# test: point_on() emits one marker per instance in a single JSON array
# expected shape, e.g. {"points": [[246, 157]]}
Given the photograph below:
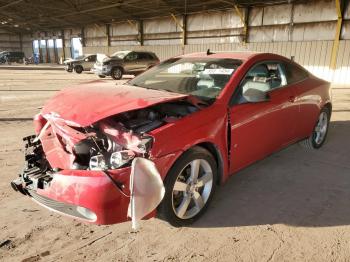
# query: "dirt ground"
{"points": [[292, 206]]}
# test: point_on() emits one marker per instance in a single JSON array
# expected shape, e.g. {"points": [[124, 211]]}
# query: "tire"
{"points": [[194, 198], [101, 76], [319, 134], [78, 69], [117, 73]]}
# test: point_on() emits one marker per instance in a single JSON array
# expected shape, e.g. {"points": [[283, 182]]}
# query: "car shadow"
{"points": [[293, 186]]}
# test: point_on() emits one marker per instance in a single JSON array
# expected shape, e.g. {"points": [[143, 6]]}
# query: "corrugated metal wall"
{"points": [[9, 41], [305, 31], [313, 55]]}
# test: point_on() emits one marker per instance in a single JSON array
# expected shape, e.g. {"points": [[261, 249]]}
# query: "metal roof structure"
{"points": [[33, 15]]}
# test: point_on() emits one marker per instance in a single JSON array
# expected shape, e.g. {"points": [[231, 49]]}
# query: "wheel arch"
{"points": [[212, 149], [118, 66], [329, 106], [78, 65]]}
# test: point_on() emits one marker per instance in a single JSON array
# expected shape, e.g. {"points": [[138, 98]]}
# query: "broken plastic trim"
{"points": [[147, 189]]}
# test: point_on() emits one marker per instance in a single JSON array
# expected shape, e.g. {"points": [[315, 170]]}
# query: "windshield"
{"points": [[201, 77], [121, 54]]}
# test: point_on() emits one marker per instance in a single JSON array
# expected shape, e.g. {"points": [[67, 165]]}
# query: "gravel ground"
{"points": [[291, 206]]}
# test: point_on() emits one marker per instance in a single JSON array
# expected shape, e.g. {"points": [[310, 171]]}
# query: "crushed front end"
{"points": [[95, 196], [84, 171]]}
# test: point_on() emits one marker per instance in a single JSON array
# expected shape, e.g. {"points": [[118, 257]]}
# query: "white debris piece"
{"points": [[147, 189]]}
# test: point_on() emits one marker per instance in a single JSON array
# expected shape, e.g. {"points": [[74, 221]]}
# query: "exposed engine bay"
{"points": [[110, 143], [122, 137]]}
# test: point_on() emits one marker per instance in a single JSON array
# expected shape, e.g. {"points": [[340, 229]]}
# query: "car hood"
{"points": [[91, 102], [71, 60], [112, 58]]}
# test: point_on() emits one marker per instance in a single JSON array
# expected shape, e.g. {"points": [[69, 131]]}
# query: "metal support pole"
{"points": [[82, 37], [183, 30], [20, 41], [336, 41], [55, 50], [63, 45], [244, 22], [244, 19], [108, 36], [141, 32], [47, 52], [139, 27]]}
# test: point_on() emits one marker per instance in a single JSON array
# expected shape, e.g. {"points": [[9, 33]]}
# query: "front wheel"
{"points": [[117, 73], [319, 134], [189, 187], [78, 69]]}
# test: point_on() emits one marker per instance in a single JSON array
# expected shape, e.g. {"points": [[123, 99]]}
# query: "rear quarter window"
{"points": [[294, 73]]}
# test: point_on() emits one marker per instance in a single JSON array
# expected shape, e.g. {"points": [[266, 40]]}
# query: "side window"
{"points": [[92, 58], [144, 56], [131, 56], [259, 80], [294, 74]]}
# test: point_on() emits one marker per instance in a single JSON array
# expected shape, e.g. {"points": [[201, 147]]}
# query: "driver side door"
{"points": [[262, 115]]}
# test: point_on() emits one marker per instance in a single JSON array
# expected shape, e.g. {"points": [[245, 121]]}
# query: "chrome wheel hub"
{"points": [[321, 128], [192, 189], [117, 73]]}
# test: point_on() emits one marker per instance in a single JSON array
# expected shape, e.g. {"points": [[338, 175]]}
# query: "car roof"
{"points": [[241, 55]]}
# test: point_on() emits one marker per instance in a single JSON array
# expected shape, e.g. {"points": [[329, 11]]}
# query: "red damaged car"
{"points": [[199, 118]]}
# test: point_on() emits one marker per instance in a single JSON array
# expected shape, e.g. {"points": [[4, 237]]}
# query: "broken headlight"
{"points": [[98, 162], [116, 160], [121, 158]]}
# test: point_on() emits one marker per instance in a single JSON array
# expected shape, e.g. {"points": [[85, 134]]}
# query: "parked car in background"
{"points": [[80, 64], [11, 56], [125, 62], [199, 118]]}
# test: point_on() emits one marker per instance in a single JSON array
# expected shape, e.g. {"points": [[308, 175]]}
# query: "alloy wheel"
{"points": [[321, 128], [192, 189]]}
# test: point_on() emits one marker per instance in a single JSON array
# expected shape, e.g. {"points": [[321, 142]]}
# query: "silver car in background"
{"points": [[80, 64], [125, 62]]}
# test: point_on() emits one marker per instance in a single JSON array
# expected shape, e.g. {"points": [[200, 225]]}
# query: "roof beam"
{"points": [[10, 4]]}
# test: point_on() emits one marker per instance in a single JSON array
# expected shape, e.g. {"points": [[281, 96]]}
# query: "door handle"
{"points": [[292, 99]]}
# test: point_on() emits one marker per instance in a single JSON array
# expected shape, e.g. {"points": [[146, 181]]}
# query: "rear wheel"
{"points": [[78, 69], [189, 187], [319, 134], [117, 73], [101, 76]]}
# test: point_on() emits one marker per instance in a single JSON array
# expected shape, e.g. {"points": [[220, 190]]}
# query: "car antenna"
{"points": [[209, 52]]}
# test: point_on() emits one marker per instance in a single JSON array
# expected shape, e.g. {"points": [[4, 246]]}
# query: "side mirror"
{"points": [[253, 95]]}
